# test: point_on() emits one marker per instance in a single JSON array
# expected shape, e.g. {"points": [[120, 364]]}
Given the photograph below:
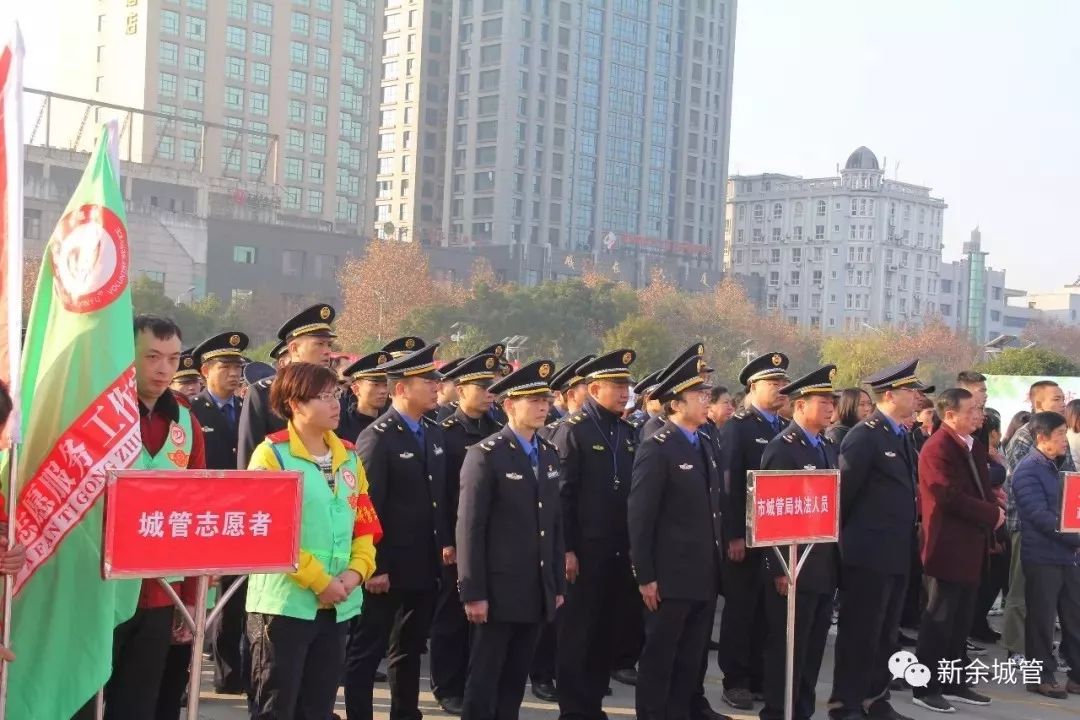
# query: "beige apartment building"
{"points": [[412, 108], [269, 93]]}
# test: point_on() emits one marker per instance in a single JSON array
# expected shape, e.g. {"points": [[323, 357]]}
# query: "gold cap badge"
{"points": [[627, 358], [832, 374], [544, 370], [324, 312], [382, 359], [234, 340], [489, 363], [188, 362], [777, 360], [410, 343]]}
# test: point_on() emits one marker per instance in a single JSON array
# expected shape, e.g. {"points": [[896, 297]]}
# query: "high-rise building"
{"points": [[412, 120], [972, 297], [276, 92], [591, 125], [839, 252]]}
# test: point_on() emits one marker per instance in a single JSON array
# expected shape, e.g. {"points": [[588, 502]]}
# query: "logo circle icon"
{"points": [[324, 312], [777, 361], [410, 343], [545, 370], [489, 363], [89, 258]]}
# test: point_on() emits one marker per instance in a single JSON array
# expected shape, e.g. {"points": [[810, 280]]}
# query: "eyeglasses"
{"points": [[330, 396]]}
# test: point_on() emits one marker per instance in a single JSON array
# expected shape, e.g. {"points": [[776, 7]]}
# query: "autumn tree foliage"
{"points": [[381, 288], [1054, 335]]}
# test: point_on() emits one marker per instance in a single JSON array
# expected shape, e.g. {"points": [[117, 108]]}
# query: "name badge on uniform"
{"points": [[513, 476], [405, 455], [890, 453], [762, 441], [686, 466], [552, 473], [438, 450], [598, 447], [207, 428]]}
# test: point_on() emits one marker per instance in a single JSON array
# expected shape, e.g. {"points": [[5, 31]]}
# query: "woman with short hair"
{"points": [[297, 621]]}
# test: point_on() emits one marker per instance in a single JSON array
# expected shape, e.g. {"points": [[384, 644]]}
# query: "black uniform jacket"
{"points": [[596, 449], [220, 438], [877, 496], [509, 532], [257, 421], [407, 486], [743, 438], [790, 450], [675, 517], [461, 432]]}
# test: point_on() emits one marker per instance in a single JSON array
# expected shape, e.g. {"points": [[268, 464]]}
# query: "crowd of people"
{"points": [[563, 528]]}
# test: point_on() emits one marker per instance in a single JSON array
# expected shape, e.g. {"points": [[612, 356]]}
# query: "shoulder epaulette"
{"points": [[381, 426], [661, 436], [871, 423], [741, 414], [788, 437], [449, 422], [425, 420], [490, 443], [547, 443], [279, 436], [576, 417], [826, 439], [704, 434]]}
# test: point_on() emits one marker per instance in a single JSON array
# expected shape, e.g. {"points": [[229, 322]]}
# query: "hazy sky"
{"points": [[979, 99]]}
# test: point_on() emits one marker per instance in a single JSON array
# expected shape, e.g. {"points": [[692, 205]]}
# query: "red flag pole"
{"points": [[11, 196]]}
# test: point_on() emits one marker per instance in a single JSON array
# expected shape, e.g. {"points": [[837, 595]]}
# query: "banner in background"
{"points": [[1008, 394]]}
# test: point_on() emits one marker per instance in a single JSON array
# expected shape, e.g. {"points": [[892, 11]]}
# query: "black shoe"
{"points": [[380, 676], [626, 676], [739, 698], [966, 695], [935, 703], [882, 710], [452, 705], [545, 691], [986, 635], [906, 640], [705, 712]]}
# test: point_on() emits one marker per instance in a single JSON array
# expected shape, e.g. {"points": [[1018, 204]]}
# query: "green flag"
{"points": [[81, 419]]}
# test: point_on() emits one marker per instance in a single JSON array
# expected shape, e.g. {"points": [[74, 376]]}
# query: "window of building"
{"points": [[821, 209], [297, 111], [320, 85], [167, 84], [166, 149], [322, 29], [759, 212], [298, 82], [193, 90], [234, 68], [298, 52], [774, 278], [260, 44], [487, 105], [259, 103], [491, 29], [292, 262], [301, 23], [168, 53], [189, 151], [490, 54], [170, 22], [260, 73], [322, 58], [195, 28], [819, 234], [243, 254], [777, 211], [774, 255]]}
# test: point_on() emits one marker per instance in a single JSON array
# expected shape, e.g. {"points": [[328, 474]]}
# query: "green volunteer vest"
{"points": [[326, 531], [173, 455]]}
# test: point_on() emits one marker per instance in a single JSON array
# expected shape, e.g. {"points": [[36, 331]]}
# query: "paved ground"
{"points": [[1010, 702]]}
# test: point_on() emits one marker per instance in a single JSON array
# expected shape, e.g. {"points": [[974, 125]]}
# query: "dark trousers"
{"points": [[295, 665], [393, 625], [543, 662], [588, 631], [676, 637], [140, 651], [1051, 590], [870, 607], [742, 625], [498, 668], [813, 618], [995, 580], [449, 660], [915, 597], [225, 641], [174, 683], [944, 629]]}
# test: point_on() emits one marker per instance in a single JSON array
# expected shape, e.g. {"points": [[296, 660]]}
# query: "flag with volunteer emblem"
{"points": [[80, 420]]}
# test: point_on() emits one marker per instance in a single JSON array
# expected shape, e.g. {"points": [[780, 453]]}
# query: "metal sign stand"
{"points": [[199, 624], [791, 568]]}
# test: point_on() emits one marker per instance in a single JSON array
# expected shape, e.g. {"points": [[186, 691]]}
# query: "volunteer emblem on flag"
{"points": [[90, 258]]}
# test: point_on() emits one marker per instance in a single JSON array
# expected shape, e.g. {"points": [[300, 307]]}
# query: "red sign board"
{"points": [[787, 507], [1070, 502], [201, 522]]}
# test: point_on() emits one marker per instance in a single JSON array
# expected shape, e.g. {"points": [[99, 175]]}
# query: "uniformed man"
{"points": [[404, 456], [645, 407], [186, 380], [252, 373], [218, 410], [697, 350], [744, 437], [403, 345], [367, 394], [675, 543], [801, 446], [306, 337], [469, 424], [279, 354], [571, 387], [447, 396], [596, 448], [877, 532], [510, 548]]}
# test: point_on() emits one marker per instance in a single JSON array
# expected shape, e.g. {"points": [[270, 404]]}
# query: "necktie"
{"points": [[534, 462], [230, 414], [420, 435]]}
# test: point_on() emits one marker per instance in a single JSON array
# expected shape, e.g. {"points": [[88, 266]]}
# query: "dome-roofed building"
{"points": [[862, 159]]}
